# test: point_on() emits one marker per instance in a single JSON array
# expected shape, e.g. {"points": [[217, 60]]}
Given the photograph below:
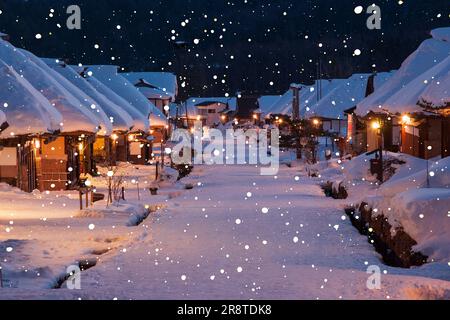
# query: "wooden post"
{"points": [[92, 197], [123, 193], [137, 185], [81, 199], [87, 198]]}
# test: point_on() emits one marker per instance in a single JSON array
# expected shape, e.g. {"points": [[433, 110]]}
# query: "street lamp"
{"points": [[376, 125], [406, 119]]}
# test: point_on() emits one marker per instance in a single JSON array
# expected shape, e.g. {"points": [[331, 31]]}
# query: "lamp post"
{"points": [[377, 125], [109, 174]]}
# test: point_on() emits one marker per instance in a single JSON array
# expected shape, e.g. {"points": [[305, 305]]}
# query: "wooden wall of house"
{"points": [[139, 152], [373, 138], [410, 141], [121, 148], [52, 165], [101, 146], [445, 147], [8, 164], [425, 140], [17, 163]]}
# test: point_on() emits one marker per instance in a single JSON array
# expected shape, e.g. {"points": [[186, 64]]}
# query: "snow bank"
{"points": [[424, 215], [27, 111], [406, 201], [75, 116], [413, 175], [119, 118]]}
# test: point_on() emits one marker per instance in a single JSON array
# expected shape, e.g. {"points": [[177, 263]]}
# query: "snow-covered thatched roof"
{"points": [[308, 96], [405, 88], [430, 90], [155, 84], [265, 102], [108, 76], [140, 121], [27, 111], [344, 95], [86, 101], [75, 115], [118, 117]]}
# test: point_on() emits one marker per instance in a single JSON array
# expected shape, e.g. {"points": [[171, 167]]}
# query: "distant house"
{"points": [[210, 110], [160, 88]]}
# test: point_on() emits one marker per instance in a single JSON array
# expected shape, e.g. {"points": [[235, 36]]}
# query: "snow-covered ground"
{"points": [[236, 234]]}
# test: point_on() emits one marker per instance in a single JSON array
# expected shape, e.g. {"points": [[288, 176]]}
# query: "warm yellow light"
{"points": [[255, 116], [406, 119], [315, 121], [114, 136], [376, 125], [280, 120], [223, 117], [110, 173], [80, 146], [198, 118], [131, 137], [37, 143]]}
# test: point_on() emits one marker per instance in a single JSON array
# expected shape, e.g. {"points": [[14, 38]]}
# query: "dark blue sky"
{"points": [[259, 46]]}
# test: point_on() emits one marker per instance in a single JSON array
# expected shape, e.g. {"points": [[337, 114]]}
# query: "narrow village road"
{"points": [[239, 235]]}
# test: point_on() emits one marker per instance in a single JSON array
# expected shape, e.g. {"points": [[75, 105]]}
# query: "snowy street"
{"points": [[239, 235]]}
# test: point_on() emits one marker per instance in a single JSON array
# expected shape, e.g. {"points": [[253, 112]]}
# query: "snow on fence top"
{"points": [[430, 53], [140, 122], [86, 101], [119, 118], [164, 84], [75, 116], [27, 111]]}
